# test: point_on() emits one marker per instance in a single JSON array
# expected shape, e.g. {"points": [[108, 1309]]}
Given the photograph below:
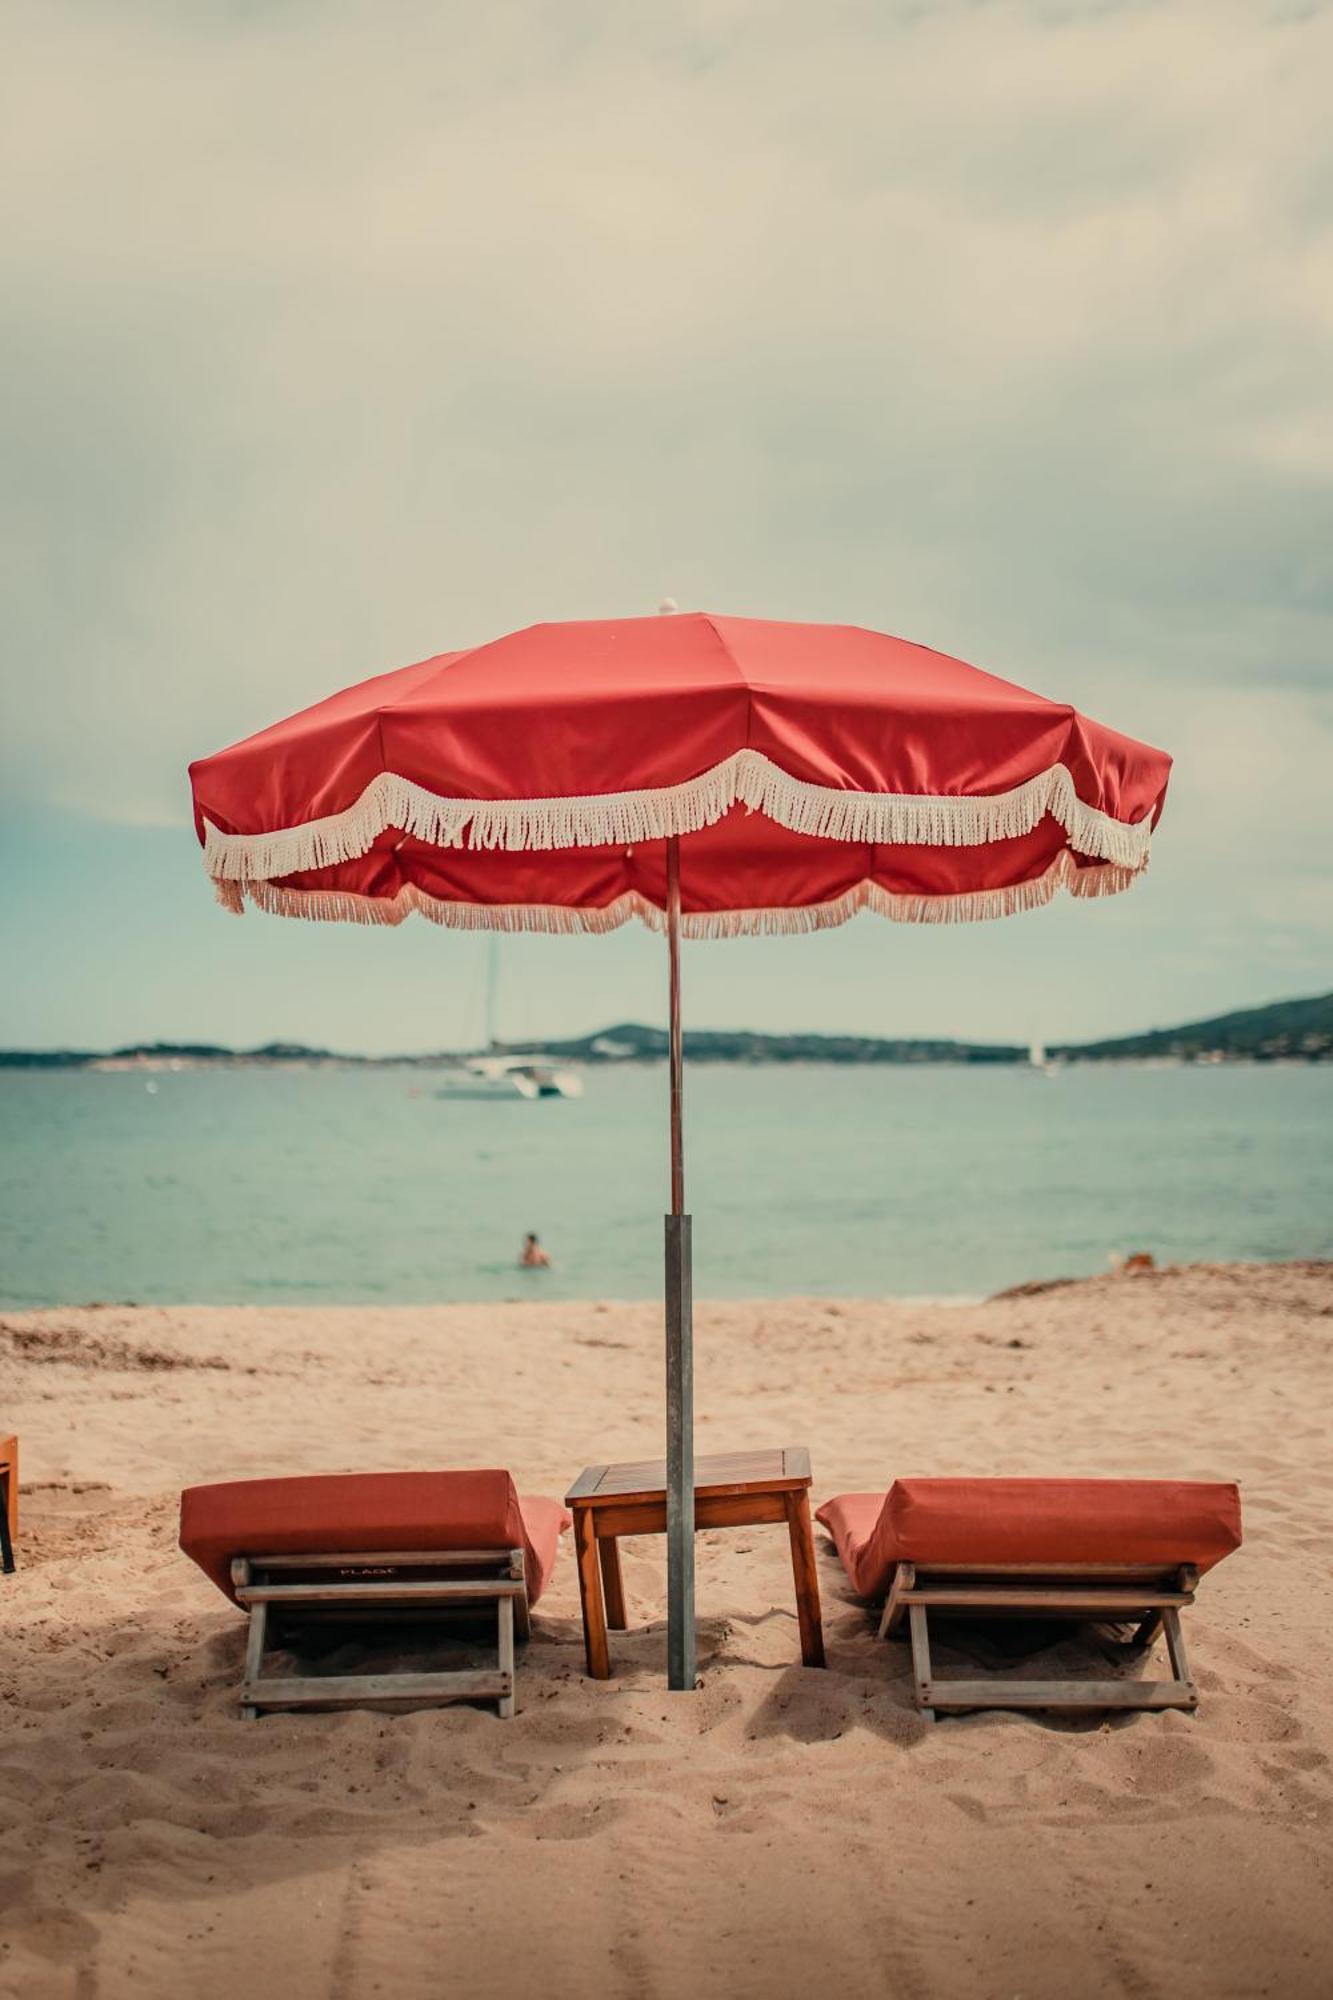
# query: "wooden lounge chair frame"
{"points": [[370, 1589], [1151, 1598]]}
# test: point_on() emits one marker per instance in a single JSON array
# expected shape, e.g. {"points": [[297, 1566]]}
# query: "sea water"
{"points": [[340, 1186]]}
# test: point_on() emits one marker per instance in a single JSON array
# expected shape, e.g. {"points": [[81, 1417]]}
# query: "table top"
{"points": [[786, 1468]]}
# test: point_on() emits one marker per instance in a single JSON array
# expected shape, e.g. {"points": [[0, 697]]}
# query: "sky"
{"points": [[334, 335]]}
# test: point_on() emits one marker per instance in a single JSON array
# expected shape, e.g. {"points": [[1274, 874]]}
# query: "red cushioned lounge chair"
{"points": [[1096, 1550], [374, 1546]]}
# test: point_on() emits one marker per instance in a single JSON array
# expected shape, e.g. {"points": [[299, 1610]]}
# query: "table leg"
{"points": [[613, 1584], [590, 1593], [806, 1578]]}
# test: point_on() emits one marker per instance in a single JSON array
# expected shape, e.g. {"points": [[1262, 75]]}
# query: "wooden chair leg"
{"points": [[505, 1608], [518, 1572], [904, 1578], [613, 1583], [595, 1646], [1147, 1632], [1175, 1646], [921, 1659], [254, 1657], [806, 1577]]}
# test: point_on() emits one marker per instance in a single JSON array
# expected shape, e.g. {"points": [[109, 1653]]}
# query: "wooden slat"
{"points": [[628, 1517], [709, 1468], [437, 1591], [1023, 1597], [921, 1669], [505, 1648], [720, 1473], [1175, 1647], [318, 1691], [518, 1565], [903, 1579], [586, 1484], [386, 1614], [1163, 1574], [254, 1652], [648, 1517], [373, 1558], [1001, 1693], [741, 1510]]}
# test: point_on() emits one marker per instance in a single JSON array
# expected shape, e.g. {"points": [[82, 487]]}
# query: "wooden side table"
{"points": [[738, 1489], [9, 1500]]}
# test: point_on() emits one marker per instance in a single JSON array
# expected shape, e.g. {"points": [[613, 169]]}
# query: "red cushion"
{"points": [[360, 1513], [1055, 1521]]}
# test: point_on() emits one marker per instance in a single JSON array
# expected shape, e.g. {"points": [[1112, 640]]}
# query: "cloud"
{"points": [[337, 335]]}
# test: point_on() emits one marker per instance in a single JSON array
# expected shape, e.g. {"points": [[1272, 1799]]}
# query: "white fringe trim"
{"points": [[975, 906], [610, 819]]}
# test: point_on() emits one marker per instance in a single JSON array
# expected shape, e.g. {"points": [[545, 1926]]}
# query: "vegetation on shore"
{"points": [[1285, 1031]]}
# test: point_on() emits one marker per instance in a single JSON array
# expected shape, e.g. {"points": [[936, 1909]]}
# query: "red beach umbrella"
{"points": [[711, 776]]}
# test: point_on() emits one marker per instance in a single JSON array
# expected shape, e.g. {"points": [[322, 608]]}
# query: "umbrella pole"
{"points": [[679, 1339]]}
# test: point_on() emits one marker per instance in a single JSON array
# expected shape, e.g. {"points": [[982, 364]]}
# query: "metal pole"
{"points": [[681, 1672]]}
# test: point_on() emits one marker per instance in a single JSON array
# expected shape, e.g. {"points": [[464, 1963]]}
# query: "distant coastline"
{"points": [[1287, 1031]]}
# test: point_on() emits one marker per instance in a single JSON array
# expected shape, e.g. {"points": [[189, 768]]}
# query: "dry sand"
{"points": [[782, 1832]]}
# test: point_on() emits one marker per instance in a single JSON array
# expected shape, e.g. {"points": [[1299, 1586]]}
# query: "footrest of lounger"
{"points": [[1086, 1695], [328, 1690]]}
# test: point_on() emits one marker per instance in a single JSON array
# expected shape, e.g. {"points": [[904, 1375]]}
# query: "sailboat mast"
{"points": [[492, 988]]}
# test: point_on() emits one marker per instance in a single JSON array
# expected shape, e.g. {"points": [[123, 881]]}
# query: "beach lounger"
{"points": [[377, 1548], [1093, 1550]]}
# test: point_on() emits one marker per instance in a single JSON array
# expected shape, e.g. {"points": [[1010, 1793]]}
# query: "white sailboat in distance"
{"points": [[506, 1078]]}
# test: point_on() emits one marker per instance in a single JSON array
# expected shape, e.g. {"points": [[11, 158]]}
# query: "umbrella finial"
{"points": [[666, 605]]}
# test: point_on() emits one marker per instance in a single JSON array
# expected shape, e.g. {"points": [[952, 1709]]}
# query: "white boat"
{"points": [[506, 1077], [501, 1077]]}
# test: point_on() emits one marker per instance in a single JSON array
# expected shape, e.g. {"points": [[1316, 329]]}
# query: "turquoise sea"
{"points": [[343, 1186]]}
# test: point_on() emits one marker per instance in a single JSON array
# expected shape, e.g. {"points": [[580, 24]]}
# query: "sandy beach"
{"points": [[782, 1831]]}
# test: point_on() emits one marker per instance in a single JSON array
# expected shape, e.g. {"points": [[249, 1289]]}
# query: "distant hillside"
{"points": [[1288, 1030], [631, 1042], [193, 1054]]}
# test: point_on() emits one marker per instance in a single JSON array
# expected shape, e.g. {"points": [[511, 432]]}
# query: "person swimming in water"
{"points": [[532, 1257]]}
